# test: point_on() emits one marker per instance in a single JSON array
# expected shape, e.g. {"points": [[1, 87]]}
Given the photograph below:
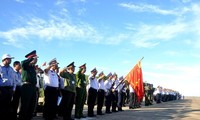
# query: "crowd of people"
{"points": [[19, 89]]}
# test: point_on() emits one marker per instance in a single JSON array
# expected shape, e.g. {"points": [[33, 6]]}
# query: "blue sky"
{"points": [[111, 35]]}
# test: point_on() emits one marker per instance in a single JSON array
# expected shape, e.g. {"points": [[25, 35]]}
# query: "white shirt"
{"points": [[51, 79], [116, 83], [7, 76], [18, 78], [120, 87], [101, 84], [131, 89], [107, 84], [93, 82]]}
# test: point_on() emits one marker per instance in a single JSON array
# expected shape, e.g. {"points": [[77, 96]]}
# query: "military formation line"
{"points": [[20, 86]]}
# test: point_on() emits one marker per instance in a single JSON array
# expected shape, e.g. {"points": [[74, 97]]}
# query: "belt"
{"points": [[101, 90], [25, 83]]}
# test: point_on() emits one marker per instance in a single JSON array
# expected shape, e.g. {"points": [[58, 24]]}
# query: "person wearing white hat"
{"points": [[115, 92], [120, 93], [92, 92], [51, 84], [101, 93], [108, 86], [7, 85]]}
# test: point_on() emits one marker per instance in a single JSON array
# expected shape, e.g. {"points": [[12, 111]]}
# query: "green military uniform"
{"points": [[148, 94], [28, 89], [80, 94], [68, 94], [146, 87]]}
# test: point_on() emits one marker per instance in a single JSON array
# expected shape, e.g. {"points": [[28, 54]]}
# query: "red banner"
{"points": [[135, 79]]}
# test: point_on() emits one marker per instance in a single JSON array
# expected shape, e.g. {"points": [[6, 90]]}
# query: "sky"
{"points": [[111, 35]]}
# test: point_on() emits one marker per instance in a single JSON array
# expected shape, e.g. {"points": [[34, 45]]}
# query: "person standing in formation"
{"points": [[108, 86], [100, 94], [17, 93], [80, 91], [51, 85], [115, 93], [120, 93], [69, 91], [7, 86], [132, 98], [92, 92], [28, 89]]}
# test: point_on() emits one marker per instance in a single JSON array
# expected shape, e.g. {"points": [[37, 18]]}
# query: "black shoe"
{"points": [[77, 117], [91, 115], [82, 116], [100, 114], [120, 110], [114, 111], [108, 112]]}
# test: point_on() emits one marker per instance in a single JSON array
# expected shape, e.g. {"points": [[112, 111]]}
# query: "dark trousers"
{"points": [[15, 102], [120, 100], [67, 103], [5, 102], [80, 101], [158, 98], [108, 101], [28, 98], [50, 105], [100, 100], [92, 95], [114, 100], [123, 98], [132, 100], [36, 102]]}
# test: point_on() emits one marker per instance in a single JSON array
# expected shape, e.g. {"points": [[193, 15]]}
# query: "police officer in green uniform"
{"points": [[28, 89], [68, 93], [80, 91]]}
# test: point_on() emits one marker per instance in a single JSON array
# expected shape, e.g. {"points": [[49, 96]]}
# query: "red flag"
{"points": [[135, 79], [44, 64]]}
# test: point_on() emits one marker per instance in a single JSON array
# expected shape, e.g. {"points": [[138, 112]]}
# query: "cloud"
{"points": [[60, 2], [81, 11], [152, 35], [175, 76], [47, 30], [20, 1], [172, 53], [148, 8], [61, 26]]}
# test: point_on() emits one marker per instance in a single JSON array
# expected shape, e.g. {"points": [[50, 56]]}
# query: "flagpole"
{"points": [[123, 80], [141, 59]]}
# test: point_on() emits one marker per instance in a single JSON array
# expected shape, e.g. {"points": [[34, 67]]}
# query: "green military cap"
{"points": [[71, 65], [31, 54], [83, 66]]}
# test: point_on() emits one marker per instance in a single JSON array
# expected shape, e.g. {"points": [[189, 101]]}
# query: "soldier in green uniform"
{"points": [[148, 94], [80, 91], [68, 93], [28, 89], [147, 89], [151, 93]]}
